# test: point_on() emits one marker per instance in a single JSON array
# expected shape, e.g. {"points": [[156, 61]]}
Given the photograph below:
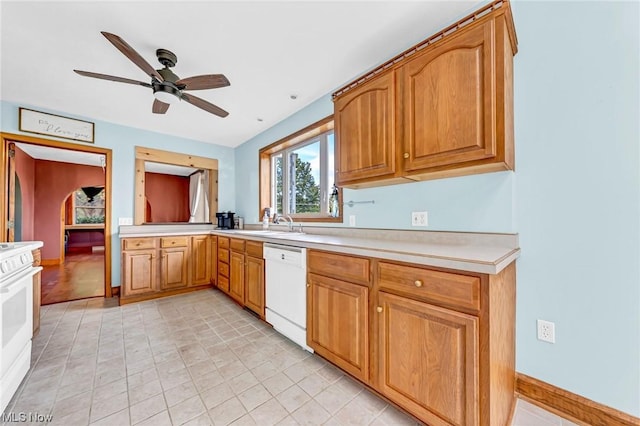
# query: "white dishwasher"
{"points": [[286, 291]]}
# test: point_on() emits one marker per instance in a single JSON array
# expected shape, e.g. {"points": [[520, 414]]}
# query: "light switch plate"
{"points": [[125, 221], [352, 220]]}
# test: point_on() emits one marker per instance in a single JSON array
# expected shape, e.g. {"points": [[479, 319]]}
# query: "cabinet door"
{"points": [[138, 272], [448, 99], [428, 360], [365, 130], [338, 323], [173, 268], [200, 260], [236, 279], [254, 285]]}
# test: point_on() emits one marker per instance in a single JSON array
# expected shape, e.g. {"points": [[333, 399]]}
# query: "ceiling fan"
{"points": [[167, 87]]}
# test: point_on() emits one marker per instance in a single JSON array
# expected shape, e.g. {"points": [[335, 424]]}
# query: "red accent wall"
{"points": [[25, 169], [53, 183], [168, 196]]}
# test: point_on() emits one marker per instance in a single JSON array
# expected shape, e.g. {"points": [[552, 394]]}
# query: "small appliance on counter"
{"points": [[225, 220]]}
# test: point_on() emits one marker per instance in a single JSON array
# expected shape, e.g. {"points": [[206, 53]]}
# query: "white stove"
{"points": [[16, 315]]}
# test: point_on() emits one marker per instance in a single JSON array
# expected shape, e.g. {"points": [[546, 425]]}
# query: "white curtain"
{"points": [[199, 196]]}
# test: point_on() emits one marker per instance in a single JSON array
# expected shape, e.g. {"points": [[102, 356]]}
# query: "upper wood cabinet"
{"points": [[449, 102], [365, 126], [442, 108]]}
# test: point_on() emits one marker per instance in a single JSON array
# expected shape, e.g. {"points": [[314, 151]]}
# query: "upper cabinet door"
{"points": [[365, 130], [448, 99]]}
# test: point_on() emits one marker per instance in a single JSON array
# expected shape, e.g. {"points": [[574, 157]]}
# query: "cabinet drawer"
{"points": [[139, 243], [223, 283], [223, 242], [223, 269], [347, 268], [237, 245], [223, 255], [446, 288], [254, 249], [174, 242]]}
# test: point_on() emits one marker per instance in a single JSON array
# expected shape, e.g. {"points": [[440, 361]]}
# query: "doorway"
{"points": [[77, 252]]}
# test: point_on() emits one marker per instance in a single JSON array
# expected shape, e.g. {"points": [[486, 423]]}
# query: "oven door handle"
{"points": [[16, 280]]}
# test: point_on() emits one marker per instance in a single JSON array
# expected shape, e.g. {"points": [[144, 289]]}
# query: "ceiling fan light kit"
{"points": [[167, 87], [166, 93]]}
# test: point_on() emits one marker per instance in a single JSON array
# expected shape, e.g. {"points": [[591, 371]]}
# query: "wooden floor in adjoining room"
{"points": [[80, 276]]}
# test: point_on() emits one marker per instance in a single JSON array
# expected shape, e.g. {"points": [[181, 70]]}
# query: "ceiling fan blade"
{"points": [[134, 56], [202, 104], [159, 107], [111, 78], [201, 82]]}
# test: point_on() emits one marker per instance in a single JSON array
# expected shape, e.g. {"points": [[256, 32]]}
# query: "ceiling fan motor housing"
{"points": [[167, 58]]}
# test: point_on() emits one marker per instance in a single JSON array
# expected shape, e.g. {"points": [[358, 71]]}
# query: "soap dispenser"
{"points": [[265, 218], [334, 202]]}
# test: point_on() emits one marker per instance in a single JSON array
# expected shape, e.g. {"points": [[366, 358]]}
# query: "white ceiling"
{"points": [[268, 51], [40, 152], [168, 169]]}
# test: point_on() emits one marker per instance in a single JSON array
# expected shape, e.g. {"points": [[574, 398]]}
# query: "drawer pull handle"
{"points": [[379, 309], [418, 283], [406, 155]]}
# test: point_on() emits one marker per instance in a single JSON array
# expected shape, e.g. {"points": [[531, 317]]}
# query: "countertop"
{"points": [[487, 253]]}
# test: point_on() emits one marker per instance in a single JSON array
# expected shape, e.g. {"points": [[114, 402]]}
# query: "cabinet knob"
{"points": [[379, 309], [418, 283], [308, 285], [405, 155]]}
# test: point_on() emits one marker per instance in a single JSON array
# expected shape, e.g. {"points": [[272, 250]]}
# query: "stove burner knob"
{"points": [[4, 267]]}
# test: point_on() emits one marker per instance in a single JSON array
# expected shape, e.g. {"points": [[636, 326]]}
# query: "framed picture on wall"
{"points": [[43, 123]]}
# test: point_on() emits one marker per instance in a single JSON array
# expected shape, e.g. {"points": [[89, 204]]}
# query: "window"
{"points": [[88, 205], [297, 174]]}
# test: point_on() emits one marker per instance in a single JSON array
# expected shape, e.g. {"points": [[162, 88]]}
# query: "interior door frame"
{"points": [[8, 138]]}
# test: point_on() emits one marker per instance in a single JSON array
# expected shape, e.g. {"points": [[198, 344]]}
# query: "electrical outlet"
{"points": [[352, 220], [546, 331], [419, 219], [125, 221]]}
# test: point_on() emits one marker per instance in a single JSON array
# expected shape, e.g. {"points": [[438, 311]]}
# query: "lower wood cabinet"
{"points": [[254, 282], [37, 291], [438, 343], [236, 278], [155, 266], [173, 268], [428, 360], [139, 272], [338, 323], [223, 264], [200, 260]]}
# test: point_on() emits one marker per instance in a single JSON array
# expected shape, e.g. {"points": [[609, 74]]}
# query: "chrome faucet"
{"points": [[289, 221]]}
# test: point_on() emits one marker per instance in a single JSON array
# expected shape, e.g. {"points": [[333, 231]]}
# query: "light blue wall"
{"points": [[477, 203], [578, 196], [122, 140], [574, 199]]}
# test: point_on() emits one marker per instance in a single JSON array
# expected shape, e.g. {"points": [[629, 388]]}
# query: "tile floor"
{"points": [[195, 359]]}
